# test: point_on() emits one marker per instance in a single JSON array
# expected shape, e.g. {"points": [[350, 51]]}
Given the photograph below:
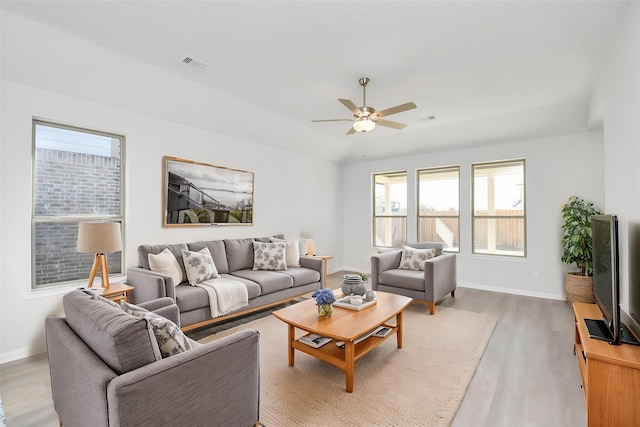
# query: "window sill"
{"points": [[46, 292]]}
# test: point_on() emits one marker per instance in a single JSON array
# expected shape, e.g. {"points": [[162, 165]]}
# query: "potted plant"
{"points": [[577, 247]]}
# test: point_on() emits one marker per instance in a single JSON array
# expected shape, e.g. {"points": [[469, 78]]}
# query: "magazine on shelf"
{"points": [[381, 331], [314, 340]]}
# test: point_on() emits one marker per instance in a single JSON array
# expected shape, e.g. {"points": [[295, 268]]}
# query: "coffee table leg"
{"points": [[291, 338], [349, 354], [399, 332]]}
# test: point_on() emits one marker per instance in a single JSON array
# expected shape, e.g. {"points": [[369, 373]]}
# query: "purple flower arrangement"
{"points": [[324, 296]]}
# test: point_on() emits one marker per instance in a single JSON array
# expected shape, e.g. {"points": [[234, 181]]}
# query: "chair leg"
{"points": [[432, 308], [453, 293]]}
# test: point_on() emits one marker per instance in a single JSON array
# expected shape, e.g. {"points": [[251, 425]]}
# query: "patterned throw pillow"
{"points": [[171, 340], [199, 266], [166, 263], [414, 259], [269, 256], [132, 308], [105, 300], [292, 252]]}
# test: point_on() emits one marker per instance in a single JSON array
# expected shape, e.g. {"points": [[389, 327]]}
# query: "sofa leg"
{"points": [[432, 308], [453, 293]]}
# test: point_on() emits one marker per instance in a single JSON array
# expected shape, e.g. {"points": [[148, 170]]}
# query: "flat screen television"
{"points": [[606, 277], [606, 282]]}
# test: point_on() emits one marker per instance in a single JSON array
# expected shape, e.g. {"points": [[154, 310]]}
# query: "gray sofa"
{"points": [[428, 287], [104, 371], [233, 259]]}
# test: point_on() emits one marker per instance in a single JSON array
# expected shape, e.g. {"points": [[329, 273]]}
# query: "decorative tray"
{"points": [[344, 303]]}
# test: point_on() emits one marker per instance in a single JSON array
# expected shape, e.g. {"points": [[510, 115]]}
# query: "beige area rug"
{"points": [[421, 384]]}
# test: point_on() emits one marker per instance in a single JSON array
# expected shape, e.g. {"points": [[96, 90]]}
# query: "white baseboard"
{"points": [[527, 293], [523, 292], [10, 356]]}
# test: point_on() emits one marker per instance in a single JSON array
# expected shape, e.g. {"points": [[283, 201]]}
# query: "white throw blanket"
{"points": [[225, 295]]}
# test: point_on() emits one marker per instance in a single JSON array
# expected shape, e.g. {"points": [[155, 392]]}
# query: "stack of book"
{"points": [[314, 340]]}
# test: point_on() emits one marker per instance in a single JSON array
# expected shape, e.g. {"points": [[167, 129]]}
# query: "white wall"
{"points": [[293, 194], [620, 97], [556, 168]]}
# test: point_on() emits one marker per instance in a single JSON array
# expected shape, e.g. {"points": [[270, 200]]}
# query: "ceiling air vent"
{"points": [[426, 119], [195, 63]]}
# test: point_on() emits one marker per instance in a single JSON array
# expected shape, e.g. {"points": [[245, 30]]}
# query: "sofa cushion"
{"points": [[176, 250], [269, 281], [199, 266], [407, 279], [269, 256], [191, 297], [239, 254], [171, 340], [121, 340], [414, 259], [217, 250], [253, 289], [302, 276], [166, 263], [269, 239]]}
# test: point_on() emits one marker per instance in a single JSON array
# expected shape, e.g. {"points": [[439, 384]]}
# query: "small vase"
{"points": [[325, 310], [354, 288]]}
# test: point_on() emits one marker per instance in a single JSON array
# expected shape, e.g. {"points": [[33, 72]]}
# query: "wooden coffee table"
{"points": [[345, 325]]}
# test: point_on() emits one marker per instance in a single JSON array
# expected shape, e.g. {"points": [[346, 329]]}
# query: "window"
{"points": [[499, 208], [389, 209], [77, 176], [439, 206]]}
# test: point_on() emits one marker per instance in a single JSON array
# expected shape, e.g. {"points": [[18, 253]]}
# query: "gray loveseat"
{"points": [[428, 287], [233, 259], [104, 371]]}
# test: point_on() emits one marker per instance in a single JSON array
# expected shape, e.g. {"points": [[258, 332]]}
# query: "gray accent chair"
{"points": [[436, 282], [104, 371]]}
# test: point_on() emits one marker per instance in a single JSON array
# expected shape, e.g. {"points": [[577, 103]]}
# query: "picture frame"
{"points": [[197, 194]]}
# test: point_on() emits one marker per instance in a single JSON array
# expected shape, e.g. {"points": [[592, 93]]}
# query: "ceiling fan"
{"points": [[365, 118]]}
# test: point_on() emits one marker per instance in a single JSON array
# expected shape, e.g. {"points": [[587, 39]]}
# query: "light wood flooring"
{"points": [[528, 375]]}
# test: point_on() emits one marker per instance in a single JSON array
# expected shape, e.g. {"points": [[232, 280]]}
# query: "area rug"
{"points": [[421, 384]]}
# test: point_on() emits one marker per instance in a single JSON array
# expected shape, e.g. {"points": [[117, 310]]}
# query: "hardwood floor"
{"points": [[528, 375]]}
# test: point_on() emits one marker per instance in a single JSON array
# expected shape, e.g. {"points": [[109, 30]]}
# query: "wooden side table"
{"points": [[115, 292], [326, 259]]}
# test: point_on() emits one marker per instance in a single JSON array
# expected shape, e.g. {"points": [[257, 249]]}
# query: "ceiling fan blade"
{"points": [[351, 131], [390, 124], [396, 109], [333, 120], [351, 106]]}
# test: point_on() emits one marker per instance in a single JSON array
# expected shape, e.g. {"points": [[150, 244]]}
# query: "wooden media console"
{"points": [[610, 375]]}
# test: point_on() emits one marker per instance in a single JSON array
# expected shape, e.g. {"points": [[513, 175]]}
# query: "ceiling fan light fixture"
{"points": [[364, 124]]}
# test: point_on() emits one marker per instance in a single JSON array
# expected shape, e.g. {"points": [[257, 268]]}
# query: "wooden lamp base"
{"points": [[100, 263]]}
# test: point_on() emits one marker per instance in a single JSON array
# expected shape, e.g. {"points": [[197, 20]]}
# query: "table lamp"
{"points": [[311, 250], [99, 238]]}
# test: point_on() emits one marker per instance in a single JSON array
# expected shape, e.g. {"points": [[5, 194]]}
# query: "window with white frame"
{"points": [[78, 176], [389, 209], [439, 206], [499, 215]]}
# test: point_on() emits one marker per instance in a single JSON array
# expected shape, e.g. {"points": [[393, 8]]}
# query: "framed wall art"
{"points": [[202, 194]]}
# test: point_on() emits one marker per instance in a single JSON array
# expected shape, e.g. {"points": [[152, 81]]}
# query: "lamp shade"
{"points": [[364, 124], [99, 237]]}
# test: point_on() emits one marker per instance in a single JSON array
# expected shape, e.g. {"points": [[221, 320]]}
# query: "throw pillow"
{"points": [[414, 259], [105, 300], [199, 266], [292, 252], [171, 340], [269, 256], [166, 263], [132, 308]]}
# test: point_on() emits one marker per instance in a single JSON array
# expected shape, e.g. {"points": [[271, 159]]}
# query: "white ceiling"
{"points": [[490, 71]]}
